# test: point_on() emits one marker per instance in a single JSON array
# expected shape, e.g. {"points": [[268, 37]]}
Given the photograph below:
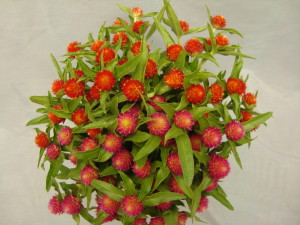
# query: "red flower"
{"points": [[79, 73], [195, 94], [249, 98], [173, 52], [137, 25], [137, 12], [108, 55], [235, 85], [193, 46], [122, 36], [96, 46], [88, 174], [57, 86], [95, 92], [73, 88], [217, 93], [136, 48], [151, 69], [53, 118], [222, 40], [72, 48], [42, 140], [79, 116], [105, 80], [246, 116], [174, 79], [133, 89], [218, 21], [184, 25]]}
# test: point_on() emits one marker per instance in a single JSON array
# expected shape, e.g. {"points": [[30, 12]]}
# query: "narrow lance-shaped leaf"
{"points": [[59, 72], [161, 197], [256, 121], [235, 154], [109, 189], [152, 143], [221, 199], [164, 33], [128, 184]]}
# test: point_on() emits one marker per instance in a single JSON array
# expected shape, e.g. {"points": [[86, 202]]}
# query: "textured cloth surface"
{"points": [[265, 192]]}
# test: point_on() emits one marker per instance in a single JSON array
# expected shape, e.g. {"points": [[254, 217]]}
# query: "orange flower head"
{"points": [[218, 21], [57, 85], [137, 25], [136, 48], [42, 140], [133, 89], [235, 85], [79, 73], [174, 79], [73, 88], [246, 116], [79, 116], [95, 92], [193, 46], [108, 55], [118, 36], [72, 48], [55, 119], [96, 46], [118, 22], [173, 52], [249, 98], [137, 11], [105, 80], [124, 80], [151, 68], [222, 40], [184, 25], [195, 94], [88, 174], [217, 93]]}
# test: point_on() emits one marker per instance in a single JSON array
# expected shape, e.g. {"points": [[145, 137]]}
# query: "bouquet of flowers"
{"points": [[143, 136]]}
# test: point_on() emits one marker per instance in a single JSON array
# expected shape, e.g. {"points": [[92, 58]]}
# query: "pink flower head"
{"points": [[195, 142], [87, 174], [65, 136], [89, 143], [108, 205], [182, 218], [140, 221], [112, 143], [54, 206], [160, 125], [203, 204], [212, 186], [53, 151], [122, 160], [71, 205], [142, 172], [174, 186], [157, 221], [218, 167], [157, 98], [212, 137], [184, 119], [131, 205], [164, 206], [126, 123], [234, 130], [174, 164]]}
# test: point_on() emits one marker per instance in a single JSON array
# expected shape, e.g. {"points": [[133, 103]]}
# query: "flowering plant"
{"points": [[147, 131]]}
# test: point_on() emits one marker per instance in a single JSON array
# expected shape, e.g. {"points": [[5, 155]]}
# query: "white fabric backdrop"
{"points": [[265, 192]]}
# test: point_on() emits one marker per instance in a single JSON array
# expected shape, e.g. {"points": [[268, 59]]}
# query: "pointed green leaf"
{"points": [[195, 30], [109, 189], [221, 199], [152, 143], [146, 187], [173, 132], [256, 121], [42, 100], [85, 68], [39, 120], [102, 123], [154, 27], [209, 57], [198, 112], [128, 184], [173, 19], [235, 154], [59, 72], [161, 197], [138, 136], [164, 33], [233, 31], [89, 154], [129, 66], [162, 174], [84, 213]]}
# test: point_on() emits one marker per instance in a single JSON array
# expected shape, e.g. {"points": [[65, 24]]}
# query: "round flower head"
{"points": [[122, 36], [136, 48], [137, 26], [164, 206], [235, 86], [94, 132], [65, 136], [140, 221], [193, 46], [105, 80], [131, 206], [174, 186], [108, 205], [73, 88], [107, 54], [55, 119], [126, 124], [42, 140], [222, 40], [212, 186], [212, 137], [234, 130], [57, 86], [88, 174], [203, 204], [95, 92], [184, 119], [89, 143], [112, 143], [218, 167], [109, 179], [174, 79], [71, 205], [182, 218], [160, 125], [174, 164], [184, 25], [72, 158], [122, 160], [195, 141], [173, 51], [142, 172], [54, 206], [151, 68], [134, 110], [53, 151], [246, 116], [157, 221], [72, 48], [79, 73], [217, 93], [195, 94], [249, 98], [124, 80], [79, 117], [218, 21], [137, 12], [157, 98], [133, 89], [96, 46]]}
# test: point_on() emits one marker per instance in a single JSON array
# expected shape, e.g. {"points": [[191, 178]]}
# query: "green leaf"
{"points": [[146, 187], [161, 197], [129, 66], [171, 218], [173, 132], [154, 27], [182, 104], [103, 156], [173, 19], [180, 61], [221, 199], [233, 31], [39, 120], [61, 113], [202, 76], [53, 171], [209, 57], [125, 9], [101, 216], [109, 171], [187, 190], [186, 157], [109, 189], [89, 154], [138, 136], [195, 30], [237, 104], [84, 213], [76, 217], [168, 109], [164, 33], [85, 68], [73, 104], [59, 72], [256, 121], [198, 112], [212, 39], [235, 154], [128, 184], [234, 53], [152, 143], [42, 100], [162, 174], [139, 72], [104, 122]]}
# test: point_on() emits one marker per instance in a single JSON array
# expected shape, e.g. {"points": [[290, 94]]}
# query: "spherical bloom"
{"points": [[142, 172], [96, 46], [94, 132], [195, 94], [157, 221], [246, 116], [195, 141], [54, 206], [42, 140], [137, 11], [126, 124], [133, 89], [157, 98], [212, 186], [79, 73], [112, 143], [118, 36], [218, 167], [160, 125], [217, 93], [122, 160], [184, 25], [218, 21], [79, 116], [222, 40], [65, 136], [193, 46], [164, 206], [151, 68], [89, 143], [140, 221], [173, 51], [73, 88], [174, 164], [212, 137], [95, 92], [174, 79], [109, 179], [136, 48], [107, 54], [131, 206], [53, 151], [184, 120], [137, 25], [88, 174], [203, 204], [72, 48], [182, 218], [124, 80], [235, 85], [234, 130], [134, 110], [55, 119], [71, 205], [174, 186], [72, 158], [105, 80], [108, 205], [249, 98], [57, 85]]}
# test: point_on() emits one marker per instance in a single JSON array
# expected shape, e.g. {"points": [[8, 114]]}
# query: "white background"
{"points": [[265, 192]]}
